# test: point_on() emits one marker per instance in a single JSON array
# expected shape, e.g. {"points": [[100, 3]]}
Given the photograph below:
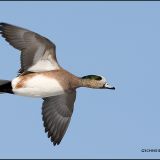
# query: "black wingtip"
{"points": [[3, 24], [56, 143], [1, 28]]}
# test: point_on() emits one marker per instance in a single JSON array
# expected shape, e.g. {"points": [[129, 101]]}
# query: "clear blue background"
{"points": [[119, 40]]}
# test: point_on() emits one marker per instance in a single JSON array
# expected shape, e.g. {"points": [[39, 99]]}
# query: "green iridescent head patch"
{"points": [[92, 77]]}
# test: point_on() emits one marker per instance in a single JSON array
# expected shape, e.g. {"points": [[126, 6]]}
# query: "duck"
{"points": [[41, 76]]}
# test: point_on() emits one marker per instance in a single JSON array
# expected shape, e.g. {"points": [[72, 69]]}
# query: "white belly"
{"points": [[38, 86]]}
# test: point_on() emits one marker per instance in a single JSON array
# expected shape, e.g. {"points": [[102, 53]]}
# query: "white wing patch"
{"points": [[42, 65], [46, 63]]}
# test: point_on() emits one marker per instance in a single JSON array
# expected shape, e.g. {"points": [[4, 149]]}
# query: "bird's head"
{"points": [[95, 81]]}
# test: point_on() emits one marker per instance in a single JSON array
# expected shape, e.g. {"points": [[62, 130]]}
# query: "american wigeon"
{"points": [[41, 76]]}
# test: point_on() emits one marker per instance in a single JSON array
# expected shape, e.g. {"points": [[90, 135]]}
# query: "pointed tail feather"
{"points": [[5, 86]]}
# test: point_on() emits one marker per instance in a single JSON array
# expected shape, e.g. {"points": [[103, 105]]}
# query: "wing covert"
{"points": [[37, 52]]}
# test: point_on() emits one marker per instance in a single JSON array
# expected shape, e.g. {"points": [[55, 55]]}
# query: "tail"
{"points": [[5, 86]]}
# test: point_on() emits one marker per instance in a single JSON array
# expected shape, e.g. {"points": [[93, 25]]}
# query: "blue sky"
{"points": [[119, 40]]}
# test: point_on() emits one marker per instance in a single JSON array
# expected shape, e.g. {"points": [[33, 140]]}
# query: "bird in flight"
{"points": [[41, 76]]}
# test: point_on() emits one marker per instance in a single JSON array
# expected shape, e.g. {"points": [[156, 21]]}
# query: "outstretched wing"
{"points": [[37, 52], [57, 112]]}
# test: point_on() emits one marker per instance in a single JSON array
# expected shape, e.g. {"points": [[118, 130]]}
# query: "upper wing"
{"points": [[57, 112], [37, 52]]}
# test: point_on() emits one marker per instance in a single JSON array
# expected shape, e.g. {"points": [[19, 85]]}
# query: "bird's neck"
{"points": [[88, 83]]}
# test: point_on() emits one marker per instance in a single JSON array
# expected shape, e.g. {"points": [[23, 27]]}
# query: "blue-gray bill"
{"points": [[107, 86]]}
